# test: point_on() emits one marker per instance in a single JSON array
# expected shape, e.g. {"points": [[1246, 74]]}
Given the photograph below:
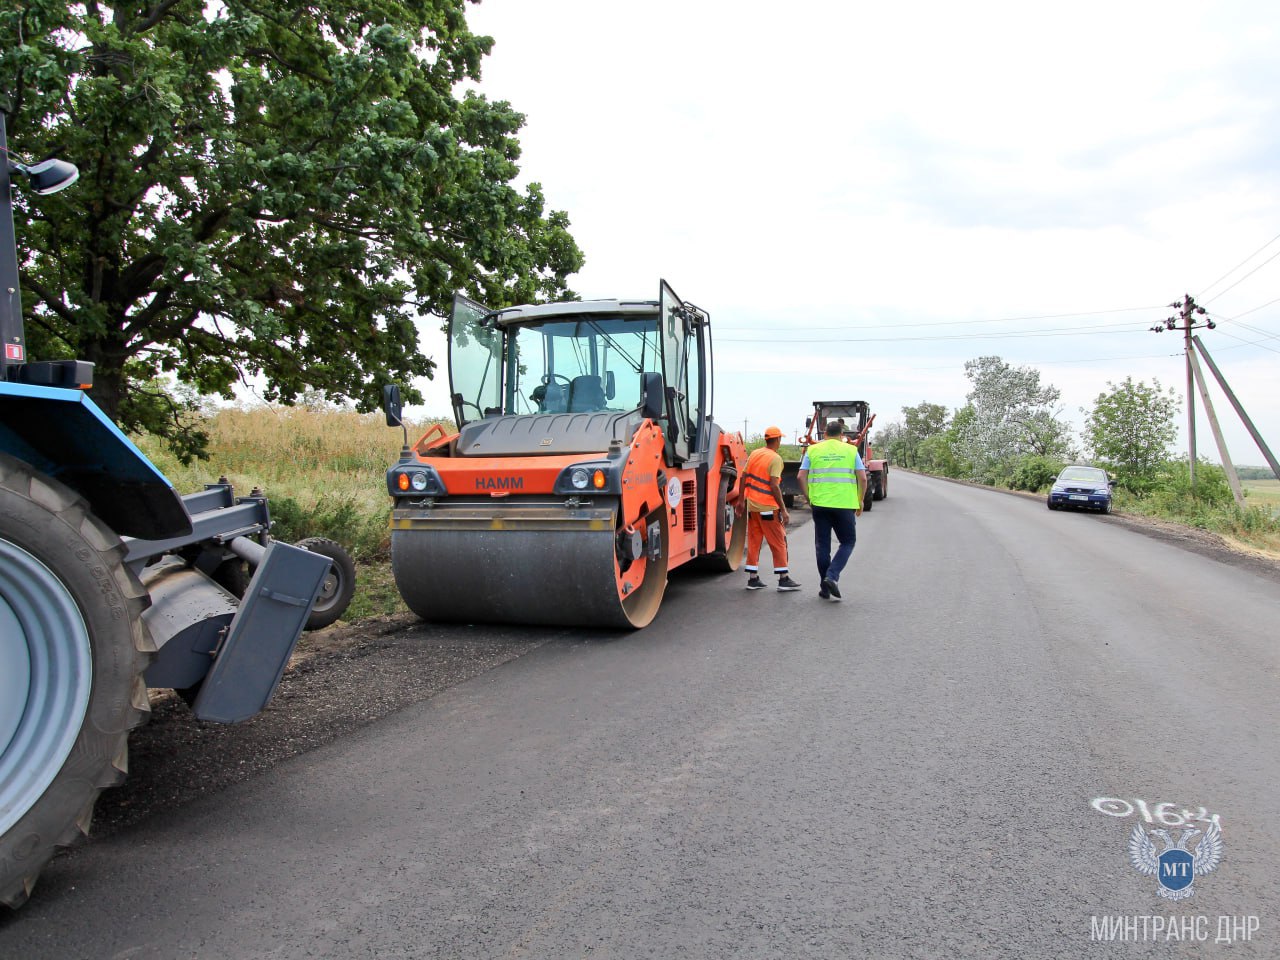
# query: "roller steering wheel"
{"points": [[548, 378]]}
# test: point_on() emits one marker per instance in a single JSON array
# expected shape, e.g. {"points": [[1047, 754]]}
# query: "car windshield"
{"points": [[1090, 474]]}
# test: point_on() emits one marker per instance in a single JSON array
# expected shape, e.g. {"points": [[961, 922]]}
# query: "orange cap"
{"points": [[771, 432]]}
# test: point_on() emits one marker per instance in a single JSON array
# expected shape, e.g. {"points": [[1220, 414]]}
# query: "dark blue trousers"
{"points": [[843, 522]]}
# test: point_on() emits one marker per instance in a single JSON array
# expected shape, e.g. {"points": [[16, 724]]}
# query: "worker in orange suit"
{"points": [[767, 514]]}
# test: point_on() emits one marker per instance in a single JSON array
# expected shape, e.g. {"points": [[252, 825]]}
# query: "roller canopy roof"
{"points": [[550, 311]]}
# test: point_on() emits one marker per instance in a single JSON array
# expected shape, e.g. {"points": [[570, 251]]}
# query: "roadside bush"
{"points": [[1173, 486], [1035, 473], [343, 519]]}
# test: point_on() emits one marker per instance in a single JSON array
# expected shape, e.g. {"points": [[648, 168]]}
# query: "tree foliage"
{"points": [[267, 190], [918, 424], [1012, 415], [1130, 430]]}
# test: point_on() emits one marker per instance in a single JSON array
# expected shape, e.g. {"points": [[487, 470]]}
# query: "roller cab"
{"points": [[584, 467]]}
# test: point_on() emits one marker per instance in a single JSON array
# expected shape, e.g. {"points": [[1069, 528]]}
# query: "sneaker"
{"points": [[786, 584], [823, 592], [755, 584], [830, 586]]}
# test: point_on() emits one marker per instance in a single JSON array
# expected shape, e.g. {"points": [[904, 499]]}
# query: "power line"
{"points": [[1147, 356], [951, 323], [1236, 321], [1238, 266], [1265, 334], [1249, 343], [1245, 277], [1254, 310], [1014, 335]]}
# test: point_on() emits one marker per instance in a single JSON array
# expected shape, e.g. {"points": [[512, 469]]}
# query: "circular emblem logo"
{"points": [[673, 491]]}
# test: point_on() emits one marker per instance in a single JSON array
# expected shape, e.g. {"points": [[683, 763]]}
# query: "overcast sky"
{"points": [[864, 197]]}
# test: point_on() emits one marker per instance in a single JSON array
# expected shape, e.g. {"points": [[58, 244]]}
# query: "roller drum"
{"points": [[512, 562]]}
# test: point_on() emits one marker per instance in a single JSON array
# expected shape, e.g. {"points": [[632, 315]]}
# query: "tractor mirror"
{"points": [[610, 385], [651, 394], [391, 404]]}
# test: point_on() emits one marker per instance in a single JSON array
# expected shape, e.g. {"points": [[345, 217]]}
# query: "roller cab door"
{"points": [[675, 327], [475, 361]]}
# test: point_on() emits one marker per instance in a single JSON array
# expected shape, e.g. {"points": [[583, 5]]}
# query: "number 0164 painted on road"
{"points": [[1165, 814]]}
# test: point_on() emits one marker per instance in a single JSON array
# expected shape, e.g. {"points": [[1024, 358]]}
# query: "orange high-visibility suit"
{"points": [[764, 522]]}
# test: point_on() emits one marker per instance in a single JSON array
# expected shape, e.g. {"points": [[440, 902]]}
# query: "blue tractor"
{"points": [[111, 582]]}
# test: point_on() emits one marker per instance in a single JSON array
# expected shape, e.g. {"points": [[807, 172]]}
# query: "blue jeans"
{"points": [[842, 521]]}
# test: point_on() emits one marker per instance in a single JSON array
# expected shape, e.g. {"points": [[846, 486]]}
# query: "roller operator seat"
{"points": [[586, 393]]}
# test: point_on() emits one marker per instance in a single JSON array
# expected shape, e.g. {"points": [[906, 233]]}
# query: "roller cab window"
{"points": [[580, 365], [475, 361]]}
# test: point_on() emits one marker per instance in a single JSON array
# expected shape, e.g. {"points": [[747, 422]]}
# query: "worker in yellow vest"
{"points": [[833, 477], [766, 512]]}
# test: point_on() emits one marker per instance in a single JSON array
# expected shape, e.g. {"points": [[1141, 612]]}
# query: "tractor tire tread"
{"points": [[117, 700], [332, 611]]}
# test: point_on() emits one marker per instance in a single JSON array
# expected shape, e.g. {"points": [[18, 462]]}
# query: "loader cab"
{"points": [[584, 357]]}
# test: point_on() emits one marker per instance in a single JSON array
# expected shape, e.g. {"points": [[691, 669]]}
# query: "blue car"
{"points": [[1081, 487]]}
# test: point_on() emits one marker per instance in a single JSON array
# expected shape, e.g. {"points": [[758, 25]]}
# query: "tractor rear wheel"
{"points": [[72, 651], [880, 486]]}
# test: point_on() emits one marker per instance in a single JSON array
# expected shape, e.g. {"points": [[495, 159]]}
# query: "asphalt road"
{"points": [[947, 764]]}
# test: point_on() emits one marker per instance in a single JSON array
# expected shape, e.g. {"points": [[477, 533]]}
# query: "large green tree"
{"points": [[273, 190], [1130, 429]]}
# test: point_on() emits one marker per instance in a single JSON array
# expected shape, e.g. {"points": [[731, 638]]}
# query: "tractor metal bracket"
{"points": [[261, 637]]}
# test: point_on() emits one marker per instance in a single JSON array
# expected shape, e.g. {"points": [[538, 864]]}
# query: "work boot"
{"points": [[786, 584], [823, 592], [753, 583], [829, 585]]}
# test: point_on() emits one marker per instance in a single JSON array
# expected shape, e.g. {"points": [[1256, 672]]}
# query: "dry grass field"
{"points": [[307, 454], [323, 472], [1262, 493]]}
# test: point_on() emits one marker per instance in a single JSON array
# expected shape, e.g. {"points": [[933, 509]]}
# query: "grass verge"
{"points": [[323, 473]]}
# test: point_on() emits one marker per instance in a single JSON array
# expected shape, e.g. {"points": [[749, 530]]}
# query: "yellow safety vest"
{"points": [[833, 477]]}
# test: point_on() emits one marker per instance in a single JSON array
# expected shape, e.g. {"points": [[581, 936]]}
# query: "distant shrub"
{"points": [[1035, 473], [1172, 489]]}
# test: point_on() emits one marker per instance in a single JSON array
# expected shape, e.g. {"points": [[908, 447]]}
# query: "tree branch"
{"points": [[156, 14], [48, 299]]}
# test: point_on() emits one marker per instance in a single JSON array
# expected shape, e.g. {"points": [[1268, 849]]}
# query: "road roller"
{"points": [[585, 465]]}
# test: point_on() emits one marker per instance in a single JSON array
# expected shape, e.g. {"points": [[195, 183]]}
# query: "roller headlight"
{"points": [[414, 480], [590, 478]]}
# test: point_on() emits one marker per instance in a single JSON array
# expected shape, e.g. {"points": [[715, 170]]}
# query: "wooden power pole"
{"points": [[1186, 321]]}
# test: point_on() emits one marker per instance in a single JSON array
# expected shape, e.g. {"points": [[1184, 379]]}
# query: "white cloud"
{"points": [[838, 164]]}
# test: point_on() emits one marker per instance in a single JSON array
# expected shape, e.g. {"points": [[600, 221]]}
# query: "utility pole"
{"points": [[1244, 417], [1188, 311]]}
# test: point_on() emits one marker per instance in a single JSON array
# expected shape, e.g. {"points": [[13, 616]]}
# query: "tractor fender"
{"points": [[63, 434]]}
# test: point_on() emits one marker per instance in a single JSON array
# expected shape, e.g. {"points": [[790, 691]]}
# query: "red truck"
{"points": [[857, 418]]}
